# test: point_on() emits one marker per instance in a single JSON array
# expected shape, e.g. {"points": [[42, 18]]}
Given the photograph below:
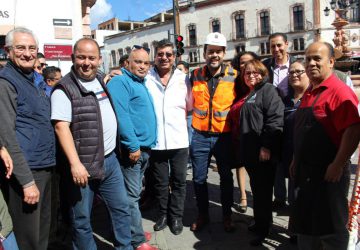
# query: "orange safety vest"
{"points": [[210, 112]]}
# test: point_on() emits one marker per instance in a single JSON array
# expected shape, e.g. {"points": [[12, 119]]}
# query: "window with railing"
{"points": [[121, 52], [128, 50], [240, 48], [298, 16], [215, 24], [113, 58], [240, 25], [299, 44], [264, 48], [192, 35], [354, 14], [193, 56], [264, 23]]}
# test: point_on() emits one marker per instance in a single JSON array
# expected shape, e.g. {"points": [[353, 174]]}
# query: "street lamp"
{"points": [[191, 6], [344, 5], [327, 11], [340, 40]]}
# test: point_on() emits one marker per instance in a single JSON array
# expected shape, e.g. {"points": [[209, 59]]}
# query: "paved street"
{"points": [[213, 236]]}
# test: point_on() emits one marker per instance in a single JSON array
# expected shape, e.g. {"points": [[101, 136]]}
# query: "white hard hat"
{"points": [[216, 39]]}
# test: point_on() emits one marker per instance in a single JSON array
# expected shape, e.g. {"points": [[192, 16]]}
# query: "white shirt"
{"points": [[171, 103]]}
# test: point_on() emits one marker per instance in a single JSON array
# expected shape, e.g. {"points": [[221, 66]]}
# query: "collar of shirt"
{"points": [[209, 76], [324, 85], [283, 66]]}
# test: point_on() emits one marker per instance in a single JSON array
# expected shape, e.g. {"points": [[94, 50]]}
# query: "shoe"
{"points": [[146, 246], [176, 226], [161, 223], [228, 224], [257, 241], [241, 208], [147, 236], [200, 223]]}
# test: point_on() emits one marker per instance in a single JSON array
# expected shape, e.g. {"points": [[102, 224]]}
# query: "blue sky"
{"points": [[137, 10]]}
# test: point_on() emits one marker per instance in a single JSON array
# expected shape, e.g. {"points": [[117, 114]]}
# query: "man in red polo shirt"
{"points": [[327, 132]]}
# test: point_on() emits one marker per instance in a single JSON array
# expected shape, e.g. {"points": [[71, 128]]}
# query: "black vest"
{"points": [[86, 126], [34, 131]]}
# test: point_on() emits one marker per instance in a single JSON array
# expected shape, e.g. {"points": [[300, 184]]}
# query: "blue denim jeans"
{"points": [[203, 147], [10, 242], [113, 192], [133, 174]]}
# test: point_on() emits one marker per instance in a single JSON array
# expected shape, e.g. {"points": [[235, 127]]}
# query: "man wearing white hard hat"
{"points": [[213, 92]]}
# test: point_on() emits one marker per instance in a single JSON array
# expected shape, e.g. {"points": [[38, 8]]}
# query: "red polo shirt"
{"points": [[336, 109]]}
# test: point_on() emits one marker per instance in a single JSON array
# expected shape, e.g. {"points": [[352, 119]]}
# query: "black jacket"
{"points": [[261, 123]]}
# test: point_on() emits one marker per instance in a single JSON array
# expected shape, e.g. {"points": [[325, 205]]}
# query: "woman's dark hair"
{"points": [[235, 62]]}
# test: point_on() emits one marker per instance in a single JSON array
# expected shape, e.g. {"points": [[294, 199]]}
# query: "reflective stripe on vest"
{"points": [[216, 121]]}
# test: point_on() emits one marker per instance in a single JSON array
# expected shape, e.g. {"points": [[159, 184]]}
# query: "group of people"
{"points": [[103, 132]]}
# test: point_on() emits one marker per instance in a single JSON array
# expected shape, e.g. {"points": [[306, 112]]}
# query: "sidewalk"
{"points": [[213, 236]]}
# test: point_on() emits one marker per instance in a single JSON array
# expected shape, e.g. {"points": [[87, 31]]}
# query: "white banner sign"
{"points": [[7, 12]]}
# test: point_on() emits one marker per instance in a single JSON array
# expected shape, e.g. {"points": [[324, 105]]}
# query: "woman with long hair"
{"points": [[241, 91]]}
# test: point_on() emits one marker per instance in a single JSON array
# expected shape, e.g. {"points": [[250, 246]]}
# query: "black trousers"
{"points": [[262, 177], [31, 222], [169, 168]]}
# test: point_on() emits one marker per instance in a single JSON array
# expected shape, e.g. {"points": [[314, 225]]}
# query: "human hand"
{"points": [[80, 174], [264, 154], [134, 156], [115, 72], [9, 166], [112, 73], [334, 172], [31, 194]]}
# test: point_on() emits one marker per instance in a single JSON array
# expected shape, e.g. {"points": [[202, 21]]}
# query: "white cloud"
{"points": [[100, 12], [161, 6]]}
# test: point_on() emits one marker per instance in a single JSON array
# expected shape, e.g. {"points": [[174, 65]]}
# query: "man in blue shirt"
{"points": [[137, 129]]}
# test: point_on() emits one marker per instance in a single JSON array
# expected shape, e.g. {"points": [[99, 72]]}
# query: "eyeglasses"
{"points": [[297, 72], [141, 47], [39, 67], [22, 48], [167, 54], [249, 73], [43, 65]]}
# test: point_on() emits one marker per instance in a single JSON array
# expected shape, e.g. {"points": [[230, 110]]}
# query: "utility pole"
{"points": [[176, 18]]}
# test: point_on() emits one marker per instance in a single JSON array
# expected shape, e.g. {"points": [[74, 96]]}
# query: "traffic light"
{"points": [[179, 45]]}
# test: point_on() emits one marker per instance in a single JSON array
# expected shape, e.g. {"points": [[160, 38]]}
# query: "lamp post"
{"points": [[340, 39]]}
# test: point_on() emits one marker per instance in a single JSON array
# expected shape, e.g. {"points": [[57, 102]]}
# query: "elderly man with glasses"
{"points": [[137, 129], [29, 137]]}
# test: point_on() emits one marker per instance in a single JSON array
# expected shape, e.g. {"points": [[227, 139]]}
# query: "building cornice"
{"points": [[137, 30]]}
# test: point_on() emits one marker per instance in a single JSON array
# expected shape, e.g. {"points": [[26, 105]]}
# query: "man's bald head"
{"points": [[139, 62], [319, 61]]}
